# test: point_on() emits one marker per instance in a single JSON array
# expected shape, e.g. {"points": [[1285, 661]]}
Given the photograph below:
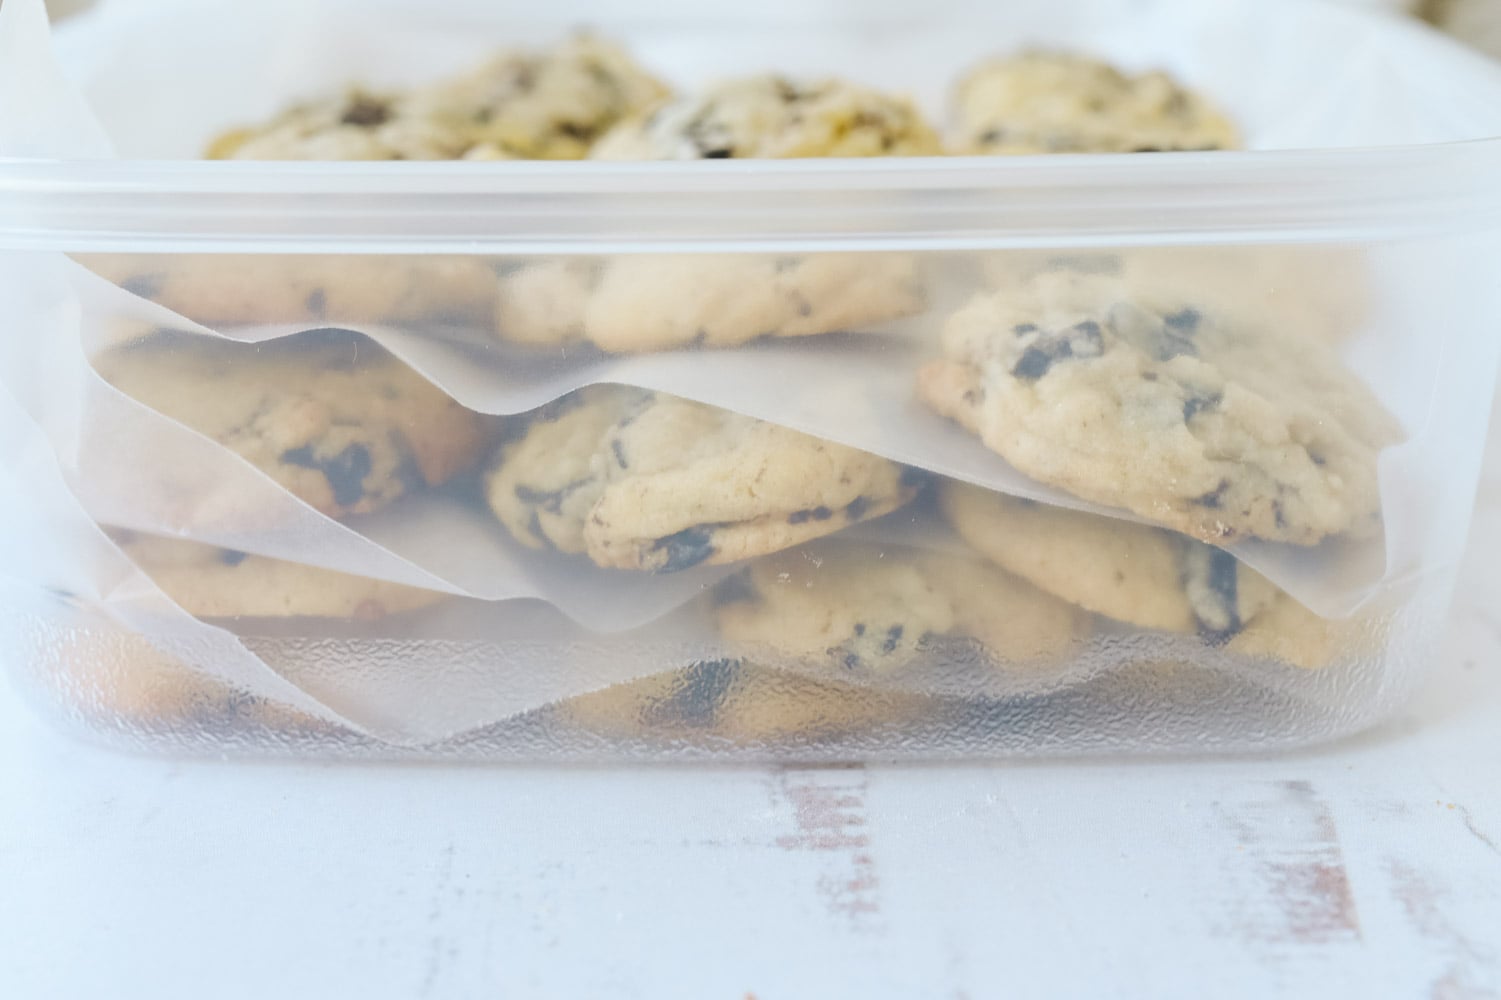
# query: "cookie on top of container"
{"points": [[549, 104], [1063, 102], [650, 302]]}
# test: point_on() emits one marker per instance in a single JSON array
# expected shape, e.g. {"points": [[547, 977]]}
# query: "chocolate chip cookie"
{"points": [[551, 105], [774, 117], [334, 419], [1058, 102], [642, 480], [655, 302], [1129, 398], [857, 607]]}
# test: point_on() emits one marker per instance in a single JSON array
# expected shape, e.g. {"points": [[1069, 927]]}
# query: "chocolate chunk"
{"points": [[1082, 340], [696, 696], [720, 153], [366, 112], [859, 628], [345, 472], [1186, 320], [893, 636], [856, 509], [1178, 330], [231, 557], [820, 513], [1033, 365], [1214, 497], [1194, 405], [1222, 584], [317, 303], [685, 549]]}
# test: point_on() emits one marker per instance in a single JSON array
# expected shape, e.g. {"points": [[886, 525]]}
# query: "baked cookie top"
{"points": [[333, 418], [550, 104], [774, 117], [1058, 102], [1126, 398], [211, 582], [855, 606], [1134, 573], [641, 480]]}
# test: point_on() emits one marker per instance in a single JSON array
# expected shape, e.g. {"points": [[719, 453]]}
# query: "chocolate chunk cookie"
{"points": [[853, 606], [641, 480], [210, 582], [774, 117], [1057, 102], [549, 105], [738, 703], [1135, 400], [330, 416], [652, 302], [262, 289], [1134, 573]]}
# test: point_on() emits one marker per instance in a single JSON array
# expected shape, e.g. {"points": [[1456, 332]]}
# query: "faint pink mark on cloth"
{"points": [[829, 817], [1471, 968], [1289, 884]]}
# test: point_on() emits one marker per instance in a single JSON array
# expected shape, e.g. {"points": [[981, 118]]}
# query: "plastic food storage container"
{"points": [[886, 458]]}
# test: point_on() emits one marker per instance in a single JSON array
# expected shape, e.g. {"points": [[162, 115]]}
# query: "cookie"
{"points": [[638, 303], [220, 290], [738, 703], [210, 582], [856, 607], [1133, 573], [355, 125], [774, 117], [1059, 102], [340, 423], [1145, 402], [641, 480], [549, 105]]}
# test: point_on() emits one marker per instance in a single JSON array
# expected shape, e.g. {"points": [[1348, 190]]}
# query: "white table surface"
{"points": [[1371, 869]]}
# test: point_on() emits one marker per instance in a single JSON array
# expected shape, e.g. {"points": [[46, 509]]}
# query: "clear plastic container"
{"points": [[910, 458]]}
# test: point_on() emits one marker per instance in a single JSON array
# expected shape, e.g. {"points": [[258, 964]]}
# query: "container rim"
{"points": [[157, 206]]}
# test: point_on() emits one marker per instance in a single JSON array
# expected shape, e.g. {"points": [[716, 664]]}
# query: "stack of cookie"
{"points": [[1141, 397]]}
